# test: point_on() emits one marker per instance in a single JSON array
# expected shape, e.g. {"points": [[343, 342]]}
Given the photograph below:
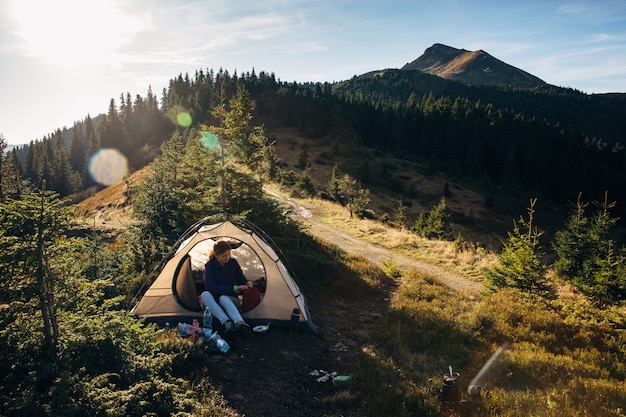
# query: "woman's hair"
{"points": [[220, 247]]}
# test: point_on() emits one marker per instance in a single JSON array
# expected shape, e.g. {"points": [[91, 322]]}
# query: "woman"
{"points": [[224, 279]]}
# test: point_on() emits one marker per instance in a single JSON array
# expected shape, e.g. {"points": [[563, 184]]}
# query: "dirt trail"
{"points": [[375, 252]]}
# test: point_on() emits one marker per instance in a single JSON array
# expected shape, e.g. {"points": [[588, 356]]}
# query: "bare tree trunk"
{"points": [[45, 292]]}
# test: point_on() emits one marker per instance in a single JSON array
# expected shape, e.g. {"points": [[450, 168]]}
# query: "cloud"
{"points": [[594, 12], [575, 7], [602, 71], [606, 37], [194, 32]]}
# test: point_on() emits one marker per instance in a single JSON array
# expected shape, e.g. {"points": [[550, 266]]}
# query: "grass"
{"points": [[565, 357]]}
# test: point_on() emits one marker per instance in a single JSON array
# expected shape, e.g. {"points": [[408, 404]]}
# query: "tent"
{"points": [[174, 295]]}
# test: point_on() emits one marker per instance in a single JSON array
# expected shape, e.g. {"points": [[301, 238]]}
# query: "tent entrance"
{"points": [[189, 277]]}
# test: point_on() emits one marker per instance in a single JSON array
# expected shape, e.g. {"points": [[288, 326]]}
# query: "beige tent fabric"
{"points": [[171, 294]]}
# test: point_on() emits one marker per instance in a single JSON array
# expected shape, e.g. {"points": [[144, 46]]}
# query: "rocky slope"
{"points": [[471, 67]]}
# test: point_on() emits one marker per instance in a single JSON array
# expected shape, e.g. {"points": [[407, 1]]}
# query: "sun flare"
{"points": [[73, 32]]}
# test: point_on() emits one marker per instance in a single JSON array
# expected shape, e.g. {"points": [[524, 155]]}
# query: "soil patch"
{"points": [[281, 373]]}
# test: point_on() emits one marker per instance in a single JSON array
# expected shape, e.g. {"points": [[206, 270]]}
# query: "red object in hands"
{"points": [[251, 297]]}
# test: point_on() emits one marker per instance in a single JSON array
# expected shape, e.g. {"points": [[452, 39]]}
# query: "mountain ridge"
{"points": [[471, 67]]}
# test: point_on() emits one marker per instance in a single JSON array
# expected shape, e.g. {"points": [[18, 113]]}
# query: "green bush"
{"points": [[435, 225], [521, 260], [391, 268], [589, 257]]}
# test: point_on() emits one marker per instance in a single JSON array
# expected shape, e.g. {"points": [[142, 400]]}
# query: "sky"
{"points": [[61, 60]]}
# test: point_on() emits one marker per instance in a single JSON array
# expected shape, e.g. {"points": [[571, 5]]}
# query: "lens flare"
{"points": [[209, 140], [107, 166], [183, 119]]}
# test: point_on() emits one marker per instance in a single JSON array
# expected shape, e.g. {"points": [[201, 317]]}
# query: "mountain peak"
{"points": [[471, 67]]}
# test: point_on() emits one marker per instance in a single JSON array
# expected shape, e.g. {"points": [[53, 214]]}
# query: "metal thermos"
{"points": [[295, 320]]}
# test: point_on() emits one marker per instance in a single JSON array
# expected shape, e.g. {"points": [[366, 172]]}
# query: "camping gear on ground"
{"points": [[295, 319], [220, 343], [187, 329], [174, 293], [261, 328], [322, 375], [342, 381], [182, 328], [207, 324], [207, 333], [449, 382], [207, 319]]}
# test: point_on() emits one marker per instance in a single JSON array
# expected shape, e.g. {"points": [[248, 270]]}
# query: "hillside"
{"points": [[110, 207], [466, 200], [275, 374], [396, 352], [470, 216]]}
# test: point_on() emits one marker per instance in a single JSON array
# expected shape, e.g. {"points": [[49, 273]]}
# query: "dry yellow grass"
{"points": [[470, 262], [110, 207]]}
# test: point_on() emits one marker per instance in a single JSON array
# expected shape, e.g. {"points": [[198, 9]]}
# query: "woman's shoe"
{"points": [[242, 327], [229, 326]]}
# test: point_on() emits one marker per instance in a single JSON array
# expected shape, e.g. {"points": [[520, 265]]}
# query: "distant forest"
{"points": [[550, 142]]}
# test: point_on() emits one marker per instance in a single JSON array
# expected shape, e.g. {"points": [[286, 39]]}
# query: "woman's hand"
{"points": [[239, 288]]}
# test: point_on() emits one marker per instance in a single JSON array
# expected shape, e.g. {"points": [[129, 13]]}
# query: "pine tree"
{"points": [[332, 189], [93, 145], [111, 131], [239, 141], [271, 162], [247, 142], [609, 276], [14, 185], [33, 231], [361, 201], [77, 149], [65, 180], [521, 260], [303, 159], [400, 215], [29, 168], [3, 147], [587, 255], [573, 244], [158, 214], [304, 187], [348, 189], [436, 225]]}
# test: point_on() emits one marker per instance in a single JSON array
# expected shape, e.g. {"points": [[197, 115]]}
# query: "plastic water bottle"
{"points": [[221, 344], [207, 334], [207, 319]]}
